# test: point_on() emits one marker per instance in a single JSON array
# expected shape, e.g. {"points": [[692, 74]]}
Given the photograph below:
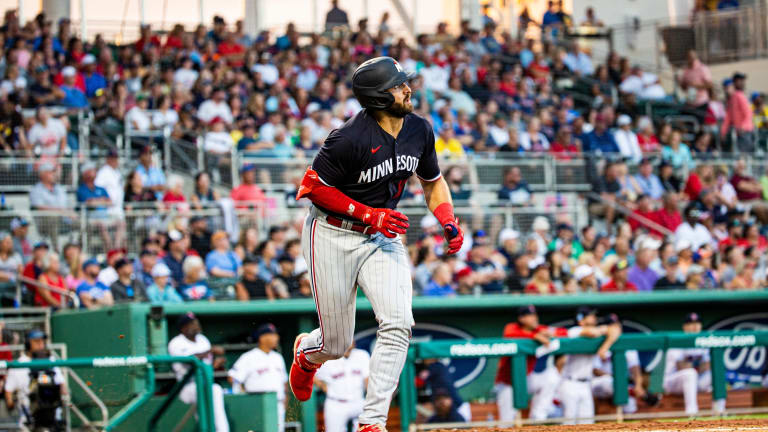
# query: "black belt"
{"points": [[345, 224], [582, 380]]}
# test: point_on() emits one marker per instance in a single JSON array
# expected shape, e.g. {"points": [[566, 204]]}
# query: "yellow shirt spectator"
{"points": [[446, 145]]}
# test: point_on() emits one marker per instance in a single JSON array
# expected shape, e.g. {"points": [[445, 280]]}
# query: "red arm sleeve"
{"points": [[329, 197]]}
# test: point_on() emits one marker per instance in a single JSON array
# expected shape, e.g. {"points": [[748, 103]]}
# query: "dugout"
{"points": [[137, 329]]}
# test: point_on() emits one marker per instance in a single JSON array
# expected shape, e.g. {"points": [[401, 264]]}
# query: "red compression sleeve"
{"points": [[444, 213], [329, 197]]}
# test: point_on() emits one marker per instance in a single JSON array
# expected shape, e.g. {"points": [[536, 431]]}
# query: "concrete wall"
{"points": [[755, 70]]}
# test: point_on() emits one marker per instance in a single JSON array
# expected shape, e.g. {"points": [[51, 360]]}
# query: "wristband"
{"points": [[444, 214]]}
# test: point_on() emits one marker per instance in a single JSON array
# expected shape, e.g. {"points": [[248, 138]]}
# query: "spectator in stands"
{"points": [[585, 277], [619, 278], [696, 80], [203, 195], [646, 138], [488, 272], [643, 85], [11, 267], [514, 189], [73, 96], [600, 140], [108, 275], [578, 61], [177, 254], [95, 199], [541, 281], [532, 139], [160, 291], [287, 282], [127, 288], [217, 139], [200, 236], [19, 231], [738, 116], [676, 152], [641, 275], [221, 262], [94, 80], [193, 286], [186, 75], [692, 230], [216, 107], [609, 188], [48, 135], [48, 196], [50, 282], [152, 177], [251, 285], [136, 194], [111, 179], [648, 182], [749, 190], [446, 144], [441, 282], [33, 267], [626, 140], [174, 195], [144, 265], [248, 194]]}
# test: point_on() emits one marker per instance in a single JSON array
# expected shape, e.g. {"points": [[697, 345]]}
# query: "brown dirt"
{"points": [[755, 425]]}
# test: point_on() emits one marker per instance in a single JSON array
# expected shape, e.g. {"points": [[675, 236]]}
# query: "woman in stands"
{"points": [[204, 195], [50, 277]]}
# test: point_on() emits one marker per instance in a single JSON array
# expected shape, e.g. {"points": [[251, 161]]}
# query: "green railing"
{"points": [[520, 349], [199, 371]]}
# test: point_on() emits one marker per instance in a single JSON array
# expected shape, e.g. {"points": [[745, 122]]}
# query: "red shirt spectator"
{"points": [[738, 113], [668, 215], [515, 330], [611, 286], [58, 79], [693, 186], [648, 144], [57, 282], [747, 188], [531, 288], [248, 194], [619, 283], [232, 51], [563, 146]]}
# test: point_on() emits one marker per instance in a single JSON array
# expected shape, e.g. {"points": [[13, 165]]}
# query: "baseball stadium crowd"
{"points": [[663, 213]]}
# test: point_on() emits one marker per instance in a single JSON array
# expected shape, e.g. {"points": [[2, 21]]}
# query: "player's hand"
{"points": [[603, 353], [217, 350], [386, 221], [454, 235]]}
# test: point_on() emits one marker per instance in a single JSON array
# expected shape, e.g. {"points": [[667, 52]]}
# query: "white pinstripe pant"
{"points": [[338, 260]]}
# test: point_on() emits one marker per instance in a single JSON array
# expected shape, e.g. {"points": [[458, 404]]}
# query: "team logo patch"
{"points": [[397, 65]]}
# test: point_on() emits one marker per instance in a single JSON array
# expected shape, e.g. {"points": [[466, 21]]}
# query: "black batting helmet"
{"points": [[373, 78]]}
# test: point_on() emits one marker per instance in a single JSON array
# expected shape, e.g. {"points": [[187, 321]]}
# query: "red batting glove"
{"points": [[455, 236], [451, 228], [386, 221]]}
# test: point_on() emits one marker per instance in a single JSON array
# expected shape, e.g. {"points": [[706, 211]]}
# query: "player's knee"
{"points": [[335, 347], [396, 332]]}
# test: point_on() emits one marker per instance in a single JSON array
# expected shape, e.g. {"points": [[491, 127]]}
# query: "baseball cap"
{"points": [[122, 262], [264, 329], [535, 262], [146, 252], [738, 75], [18, 222], [250, 259], [160, 270], [480, 238], [35, 334], [46, 167], [691, 318], [585, 311], [428, 221], [68, 71], [624, 120], [88, 59], [185, 318], [526, 310], [90, 262], [218, 235], [619, 265], [113, 252], [41, 244], [285, 258], [582, 272], [508, 234], [247, 167], [175, 235], [540, 223], [464, 272], [682, 245]]}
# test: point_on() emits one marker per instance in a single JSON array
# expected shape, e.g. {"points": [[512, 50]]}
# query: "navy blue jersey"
{"points": [[370, 166]]}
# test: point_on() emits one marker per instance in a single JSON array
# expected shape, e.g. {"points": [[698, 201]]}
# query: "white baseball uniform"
{"points": [[181, 346], [259, 372], [345, 380], [17, 383], [602, 386], [339, 260], [541, 388], [689, 381], [576, 386]]}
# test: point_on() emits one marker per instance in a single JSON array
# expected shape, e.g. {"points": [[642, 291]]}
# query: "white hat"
{"points": [[429, 221], [508, 234], [88, 59], [682, 245], [532, 264], [161, 270], [68, 71], [313, 107], [583, 271], [540, 223], [650, 243], [624, 120], [175, 235]]}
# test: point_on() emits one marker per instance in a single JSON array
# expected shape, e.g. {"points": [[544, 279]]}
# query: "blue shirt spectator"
{"points": [[93, 82], [195, 291], [151, 177], [648, 181], [73, 97], [599, 142], [167, 294], [440, 283], [227, 261], [579, 62], [96, 290]]}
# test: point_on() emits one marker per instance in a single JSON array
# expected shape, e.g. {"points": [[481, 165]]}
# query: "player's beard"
{"points": [[400, 110]]}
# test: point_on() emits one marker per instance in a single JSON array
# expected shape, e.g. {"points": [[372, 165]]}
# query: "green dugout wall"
{"points": [[130, 330]]}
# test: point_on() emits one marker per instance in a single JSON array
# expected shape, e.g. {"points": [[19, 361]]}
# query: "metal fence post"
{"points": [[235, 166], [200, 154], [166, 148]]}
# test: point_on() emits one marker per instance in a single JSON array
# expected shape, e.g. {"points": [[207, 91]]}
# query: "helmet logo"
{"points": [[397, 65]]}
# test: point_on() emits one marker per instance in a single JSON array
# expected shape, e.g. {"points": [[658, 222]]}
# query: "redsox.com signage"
{"points": [[744, 364]]}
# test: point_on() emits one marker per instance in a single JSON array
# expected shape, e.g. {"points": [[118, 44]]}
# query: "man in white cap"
{"points": [[509, 245], [541, 234], [585, 277], [73, 96], [692, 230], [344, 381], [93, 79], [626, 139]]}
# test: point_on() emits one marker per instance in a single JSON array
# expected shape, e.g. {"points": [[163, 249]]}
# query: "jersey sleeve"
{"points": [[334, 160], [428, 169], [574, 332], [239, 372], [633, 358]]}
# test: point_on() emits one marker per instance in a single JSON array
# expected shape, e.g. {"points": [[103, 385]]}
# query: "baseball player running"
{"points": [[262, 369], [350, 236], [542, 385], [343, 380], [576, 386], [687, 371]]}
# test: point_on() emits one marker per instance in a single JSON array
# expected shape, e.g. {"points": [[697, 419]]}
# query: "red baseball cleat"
{"points": [[371, 428], [302, 374]]}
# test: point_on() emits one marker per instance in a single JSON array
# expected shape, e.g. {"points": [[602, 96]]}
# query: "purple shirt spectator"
{"points": [[643, 278]]}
